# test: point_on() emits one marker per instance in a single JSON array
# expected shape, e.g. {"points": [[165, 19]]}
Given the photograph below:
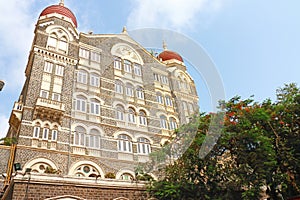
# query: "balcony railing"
{"points": [[50, 104]]}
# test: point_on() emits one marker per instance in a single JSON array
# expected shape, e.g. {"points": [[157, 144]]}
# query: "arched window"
{"points": [[120, 112], [82, 77], [140, 92], [79, 136], [172, 123], [137, 69], [95, 107], [57, 44], [127, 66], [94, 80], [36, 130], [52, 41], [45, 132], [124, 143], [142, 118], [163, 122], [168, 100], [131, 115], [144, 146], [63, 44], [117, 63], [119, 87], [129, 90], [54, 134], [159, 98], [81, 103], [93, 139], [86, 171], [126, 176]]}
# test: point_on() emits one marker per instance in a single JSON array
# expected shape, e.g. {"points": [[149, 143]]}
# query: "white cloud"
{"points": [[3, 126], [174, 14]]}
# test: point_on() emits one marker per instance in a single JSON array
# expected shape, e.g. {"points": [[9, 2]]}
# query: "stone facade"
{"points": [[94, 104]]}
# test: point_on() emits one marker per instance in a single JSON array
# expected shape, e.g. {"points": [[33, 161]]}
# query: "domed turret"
{"points": [[169, 55], [60, 9]]}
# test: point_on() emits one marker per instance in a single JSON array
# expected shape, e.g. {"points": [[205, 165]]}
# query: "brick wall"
{"points": [[38, 189]]}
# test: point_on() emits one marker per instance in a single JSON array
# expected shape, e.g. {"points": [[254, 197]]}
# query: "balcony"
{"points": [[50, 104], [47, 109]]}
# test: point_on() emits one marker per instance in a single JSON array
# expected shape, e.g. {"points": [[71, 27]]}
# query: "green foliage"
{"points": [[8, 141], [258, 153]]}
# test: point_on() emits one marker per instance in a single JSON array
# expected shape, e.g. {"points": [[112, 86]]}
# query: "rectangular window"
{"points": [[63, 45], [95, 56], [156, 77], [54, 135], [56, 97], [137, 70], [45, 133], [80, 105], [48, 67], [95, 108], [127, 66], [84, 53], [129, 91], [118, 63], [44, 94], [59, 70], [82, 77], [164, 79], [94, 80], [36, 132]]}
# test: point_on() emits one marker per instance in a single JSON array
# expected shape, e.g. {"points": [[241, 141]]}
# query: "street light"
{"points": [[1, 84]]}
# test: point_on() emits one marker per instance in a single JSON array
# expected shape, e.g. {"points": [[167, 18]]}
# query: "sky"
{"points": [[253, 44]]}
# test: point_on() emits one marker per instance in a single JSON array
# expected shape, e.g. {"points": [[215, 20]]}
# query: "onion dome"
{"points": [[169, 55], [60, 9]]}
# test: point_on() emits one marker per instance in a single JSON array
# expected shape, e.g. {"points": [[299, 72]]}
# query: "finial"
{"points": [[61, 3], [164, 45], [124, 29]]}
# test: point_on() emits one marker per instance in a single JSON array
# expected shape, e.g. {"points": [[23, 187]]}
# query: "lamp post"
{"points": [[2, 83]]}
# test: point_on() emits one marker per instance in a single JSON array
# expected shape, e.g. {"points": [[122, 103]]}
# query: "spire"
{"points": [[164, 45], [124, 29], [61, 3]]}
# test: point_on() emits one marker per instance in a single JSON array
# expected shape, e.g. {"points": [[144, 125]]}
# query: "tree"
{"points": [[258, 153]]}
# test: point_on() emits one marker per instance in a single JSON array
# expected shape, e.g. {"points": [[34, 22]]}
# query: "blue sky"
{"points": [[254, 45]]}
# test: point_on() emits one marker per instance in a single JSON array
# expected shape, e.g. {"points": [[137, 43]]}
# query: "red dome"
{"points": [[169, 55], [59, 9]]}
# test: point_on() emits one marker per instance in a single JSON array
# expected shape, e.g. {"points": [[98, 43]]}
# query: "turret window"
{"points": [[56, 97], [48, 67], [59, 70], [44, 94], [57, 44], [45, 133], [95, 107]]}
